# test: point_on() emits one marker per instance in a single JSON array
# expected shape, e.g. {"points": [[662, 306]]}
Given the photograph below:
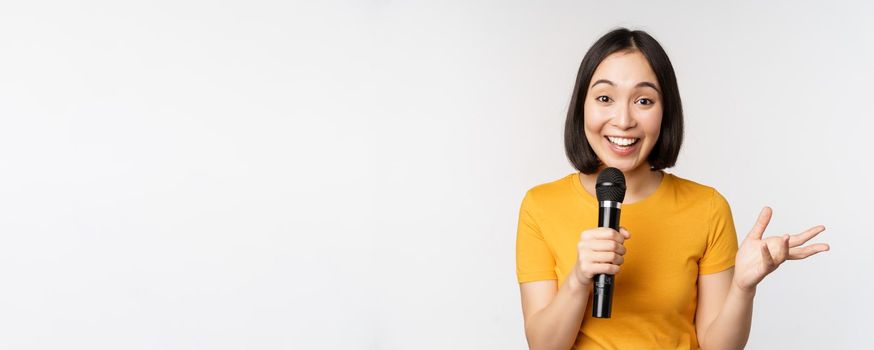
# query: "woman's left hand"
{"points": [[758, 257]]}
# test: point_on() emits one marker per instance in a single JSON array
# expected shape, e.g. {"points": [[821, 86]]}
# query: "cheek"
{"points": [[595, 118], [651, 121]]}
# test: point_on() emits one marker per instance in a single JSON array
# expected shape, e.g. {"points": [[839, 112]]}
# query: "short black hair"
{"points": [[667, 148]]}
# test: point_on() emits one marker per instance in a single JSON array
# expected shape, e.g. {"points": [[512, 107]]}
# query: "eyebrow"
{"points": [[640, 84]]}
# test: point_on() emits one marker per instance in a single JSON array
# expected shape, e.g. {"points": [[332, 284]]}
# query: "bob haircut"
{"points": [[667, 148]]}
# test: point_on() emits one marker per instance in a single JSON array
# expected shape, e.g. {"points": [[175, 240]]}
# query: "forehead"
{"points": [[625, 68]]}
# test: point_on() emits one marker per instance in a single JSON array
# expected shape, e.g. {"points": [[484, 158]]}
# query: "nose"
{"points": [[623, 118]]}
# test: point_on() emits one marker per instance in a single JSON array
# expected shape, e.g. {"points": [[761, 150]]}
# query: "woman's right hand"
{"points": [[600, 250]]}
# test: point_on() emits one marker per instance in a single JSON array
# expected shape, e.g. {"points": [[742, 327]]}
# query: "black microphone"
{"points": [[610, 188]]}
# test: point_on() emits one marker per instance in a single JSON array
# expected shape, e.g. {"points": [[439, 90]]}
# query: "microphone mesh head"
{"points": [[610, 185]]}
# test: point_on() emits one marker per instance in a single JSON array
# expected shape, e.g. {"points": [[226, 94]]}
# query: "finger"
{"points": [[761, 224], [607, 258], [605, 233], [609, 269], [783, 251], [801, 238], [766, 256], [605, 245], [803, 252], [625, 233]]}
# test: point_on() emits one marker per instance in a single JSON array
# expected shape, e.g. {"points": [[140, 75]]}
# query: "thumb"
{"points": [[761, 224], [624, 232]]}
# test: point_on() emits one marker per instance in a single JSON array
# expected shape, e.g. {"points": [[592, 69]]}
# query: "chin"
{"points": [[624, 166]]}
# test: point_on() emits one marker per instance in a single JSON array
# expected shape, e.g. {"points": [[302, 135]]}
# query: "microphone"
{"points": [[610, 188]]}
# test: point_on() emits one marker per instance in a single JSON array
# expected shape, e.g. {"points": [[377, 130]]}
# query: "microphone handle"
{"points": [[602, 299]]}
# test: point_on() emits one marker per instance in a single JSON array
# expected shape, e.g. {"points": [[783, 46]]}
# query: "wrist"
{"points": [[748, 292], [579, 287], [576, 284]]}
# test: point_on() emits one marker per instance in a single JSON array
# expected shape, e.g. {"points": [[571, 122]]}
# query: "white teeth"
{"points": [[621, 141]]}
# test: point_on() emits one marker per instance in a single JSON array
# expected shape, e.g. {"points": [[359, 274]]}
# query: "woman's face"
{"points": [[623, 110]]}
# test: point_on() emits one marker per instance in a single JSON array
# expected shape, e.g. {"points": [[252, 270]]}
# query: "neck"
{"points": [[639, 183]]}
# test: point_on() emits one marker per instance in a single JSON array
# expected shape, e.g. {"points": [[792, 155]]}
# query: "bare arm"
{"points": [[553, 317], [725, 300], [724, 312]]}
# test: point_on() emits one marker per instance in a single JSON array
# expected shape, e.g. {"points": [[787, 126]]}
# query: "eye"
{"points": [[645, 101], [603, 99]]}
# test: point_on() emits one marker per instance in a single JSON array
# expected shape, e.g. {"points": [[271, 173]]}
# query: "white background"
{"points": [[319, 175]]}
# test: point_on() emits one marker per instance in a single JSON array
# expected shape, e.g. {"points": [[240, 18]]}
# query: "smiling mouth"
{"points": [[622, 141]]}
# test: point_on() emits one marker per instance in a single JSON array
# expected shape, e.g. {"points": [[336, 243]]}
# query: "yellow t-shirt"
{"points": [[680, 231]]}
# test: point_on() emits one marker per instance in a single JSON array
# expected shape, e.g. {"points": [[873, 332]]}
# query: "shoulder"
{"points": [[553, 188], [697, 193], [550, 193]]}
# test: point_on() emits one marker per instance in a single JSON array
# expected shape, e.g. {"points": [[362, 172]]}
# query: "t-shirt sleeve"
{"points": [[534, 260], [721, 238]]}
